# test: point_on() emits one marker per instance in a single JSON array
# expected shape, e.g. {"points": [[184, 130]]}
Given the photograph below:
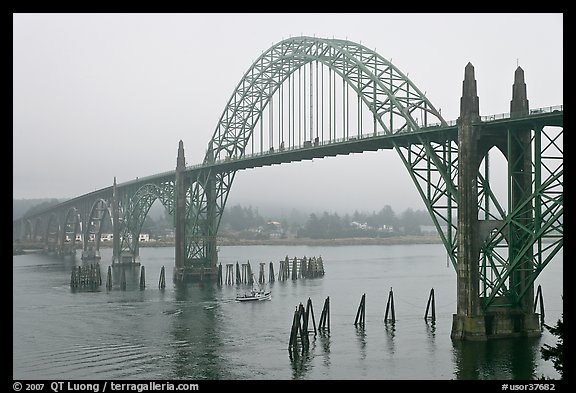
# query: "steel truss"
{"points": [[391, 98], [531, 234]]}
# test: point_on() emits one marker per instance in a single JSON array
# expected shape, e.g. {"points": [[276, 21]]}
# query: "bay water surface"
{"points": [[198, 331]]}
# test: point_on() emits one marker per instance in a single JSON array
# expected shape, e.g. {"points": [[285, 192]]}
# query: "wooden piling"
{"points": [[142, 278], [238, 277], [303, 328], [85, 277], [73, 277], [271, 272], [324, 323], [310, 311], [540, 299], [361, 313], [293, 343], [431, 302], [220, 274], [162, 280], [250, 275], [261, 276], [390, 307], [229, 273], [109, 278], [294, 269], [299, 328]]}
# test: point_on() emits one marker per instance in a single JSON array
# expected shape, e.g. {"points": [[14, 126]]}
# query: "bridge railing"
{"points": [[536, 111]]}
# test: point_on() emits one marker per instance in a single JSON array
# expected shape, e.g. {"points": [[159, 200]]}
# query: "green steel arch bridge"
{"points": [[308, 97]]}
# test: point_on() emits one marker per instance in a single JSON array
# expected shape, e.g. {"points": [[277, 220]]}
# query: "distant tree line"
{"points": [[326, 225], [376, 224]]}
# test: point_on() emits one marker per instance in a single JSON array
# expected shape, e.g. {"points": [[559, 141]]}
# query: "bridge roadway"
{"points": [[367, 142]]}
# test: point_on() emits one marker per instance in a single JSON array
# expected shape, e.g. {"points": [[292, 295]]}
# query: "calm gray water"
{"points": [[198, 331]]}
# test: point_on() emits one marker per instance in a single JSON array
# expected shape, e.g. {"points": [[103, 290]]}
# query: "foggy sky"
{"points": [[103, 95]]}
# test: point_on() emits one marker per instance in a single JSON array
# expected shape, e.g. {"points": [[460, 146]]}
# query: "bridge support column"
{"points": [[468, 323], [519, 156], [504, 317], [180, 210]]}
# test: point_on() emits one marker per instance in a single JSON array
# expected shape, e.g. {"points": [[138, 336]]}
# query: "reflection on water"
{"points": [[496, 359], [301, 364], [198, 331], [361, 333], [197, 354]]}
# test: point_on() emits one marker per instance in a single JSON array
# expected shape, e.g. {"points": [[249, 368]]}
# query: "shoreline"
{"points": [[26, 248], [353, 241]]}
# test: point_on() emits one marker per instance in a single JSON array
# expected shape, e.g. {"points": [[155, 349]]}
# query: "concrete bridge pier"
{"points": [[471, 322], [197, 269], [468, 322]]}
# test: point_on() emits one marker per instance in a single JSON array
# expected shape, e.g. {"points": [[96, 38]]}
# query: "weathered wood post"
{"points": [[310, 311], [250, 275], [303, 328], [261, 275], [162, 280], [293, 343], [431, 302], [271, 273], [361, 313], [73, 278], [220, 274], [324, 323], [390, 307], [238, 277], [294, 269], [109, 278], [540, 299], [229, 273], [142, 278]]}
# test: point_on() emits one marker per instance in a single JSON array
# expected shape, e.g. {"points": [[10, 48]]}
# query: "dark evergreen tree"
{"points": [[555, 354]]}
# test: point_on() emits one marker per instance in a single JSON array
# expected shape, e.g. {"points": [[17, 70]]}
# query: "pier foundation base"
{"points": [[501, 324], [196, 274]]}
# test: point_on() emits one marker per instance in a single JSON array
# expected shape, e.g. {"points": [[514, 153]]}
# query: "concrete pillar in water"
{"points": [[180, 209], [471, 321], [468, 322]]}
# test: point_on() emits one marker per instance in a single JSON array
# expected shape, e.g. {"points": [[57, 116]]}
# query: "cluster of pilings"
{"points": [[300, 268], [299, 333], [243, 274], [289, 269], [87, 277]]}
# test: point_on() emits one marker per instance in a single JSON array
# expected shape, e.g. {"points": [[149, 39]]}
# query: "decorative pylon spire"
{"points": [[469, 102], [180, 161], [519, 104]]}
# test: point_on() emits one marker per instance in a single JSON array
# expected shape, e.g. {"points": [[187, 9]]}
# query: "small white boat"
{"points": [[254, 295]]}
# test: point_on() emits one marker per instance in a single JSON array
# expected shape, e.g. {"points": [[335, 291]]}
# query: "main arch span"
{"points": [[389, 103]]}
